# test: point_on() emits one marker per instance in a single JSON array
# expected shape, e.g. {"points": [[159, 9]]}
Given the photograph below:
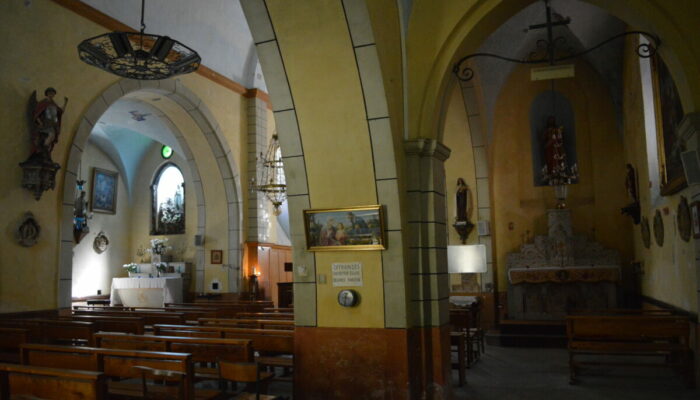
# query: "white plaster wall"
{"points": [[92, 271]]}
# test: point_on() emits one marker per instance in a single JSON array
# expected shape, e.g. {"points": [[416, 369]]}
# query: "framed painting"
{"points": [[669, 113], [104, 191], [217, 256], [352, 228]]}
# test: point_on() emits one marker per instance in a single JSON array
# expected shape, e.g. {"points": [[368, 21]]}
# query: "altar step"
{"points": [[521, 333]]}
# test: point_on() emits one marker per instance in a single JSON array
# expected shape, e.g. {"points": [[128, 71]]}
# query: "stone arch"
{"points": [[204, 119], [295, 162], [482, 19]]}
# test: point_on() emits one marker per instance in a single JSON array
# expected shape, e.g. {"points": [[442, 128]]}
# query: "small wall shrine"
{"points": [[560, 272]]}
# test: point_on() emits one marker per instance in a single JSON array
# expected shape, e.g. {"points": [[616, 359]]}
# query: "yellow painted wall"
{"points": [[41, 54], [335, 137], [457, 137], [669, 271], [93, 271], [216, 234], [595, 201], [141, 209]]}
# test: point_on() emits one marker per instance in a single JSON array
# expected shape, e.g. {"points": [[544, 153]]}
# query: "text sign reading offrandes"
{"points": [[347, 274]]}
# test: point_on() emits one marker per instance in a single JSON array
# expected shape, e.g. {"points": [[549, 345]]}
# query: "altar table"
{"points": [[146, 292]]}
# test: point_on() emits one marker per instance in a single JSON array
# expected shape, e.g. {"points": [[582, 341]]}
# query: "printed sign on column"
{"points": [[347, 274]]}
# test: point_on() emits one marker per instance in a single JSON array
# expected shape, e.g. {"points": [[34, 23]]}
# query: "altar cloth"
{"points": [[146, 292]]}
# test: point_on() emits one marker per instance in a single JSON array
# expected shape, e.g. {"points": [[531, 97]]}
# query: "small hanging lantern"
{"points": [[272, 180], [80, 214]]}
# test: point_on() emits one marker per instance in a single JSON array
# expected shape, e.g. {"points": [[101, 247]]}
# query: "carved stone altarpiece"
{"points": [[560, 272]]}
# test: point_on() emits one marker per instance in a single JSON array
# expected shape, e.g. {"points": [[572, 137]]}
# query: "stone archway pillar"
{"points": [[427, 262]]}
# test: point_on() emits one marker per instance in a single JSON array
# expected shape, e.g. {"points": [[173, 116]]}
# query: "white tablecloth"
{"points": [[143, 292]]}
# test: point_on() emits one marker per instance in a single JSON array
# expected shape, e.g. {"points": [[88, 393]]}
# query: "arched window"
{"points": [[168, 194]]}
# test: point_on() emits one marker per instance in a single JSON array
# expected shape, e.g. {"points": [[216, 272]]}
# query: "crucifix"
{"points": [[549, 25]]}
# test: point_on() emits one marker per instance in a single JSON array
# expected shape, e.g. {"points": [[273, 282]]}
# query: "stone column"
{"points": [[427, 261]]}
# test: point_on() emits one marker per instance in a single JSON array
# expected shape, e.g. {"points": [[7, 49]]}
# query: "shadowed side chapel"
{"points": [[350, 199]]}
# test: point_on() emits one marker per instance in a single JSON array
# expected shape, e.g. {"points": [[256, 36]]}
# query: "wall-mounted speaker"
{"points": [[199, 240], [483, 228], [288, 267], [691, 166]]}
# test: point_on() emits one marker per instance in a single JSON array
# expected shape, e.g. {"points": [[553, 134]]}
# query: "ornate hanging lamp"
{"points": [[553, 50], [139, 55], [272, 182]]}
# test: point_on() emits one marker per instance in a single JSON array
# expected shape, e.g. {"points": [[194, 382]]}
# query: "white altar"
{"points": [[146, 292]]}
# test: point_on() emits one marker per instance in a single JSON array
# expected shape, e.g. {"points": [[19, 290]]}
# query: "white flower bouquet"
{"points": [[131, 267], [159, 246]]}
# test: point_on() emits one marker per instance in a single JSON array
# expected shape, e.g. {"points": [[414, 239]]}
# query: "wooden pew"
{"points": [[266, 315], [222, 310], [265, 340], [203, 350], [631, 335], [249, 323], [54, 331], [149, 317], [190, 313], [123, 364], [105, 323], [279, 309], [50, 383], [10, 341]]}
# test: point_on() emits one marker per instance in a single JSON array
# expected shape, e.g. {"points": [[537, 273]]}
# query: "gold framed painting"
{"points": [[669, 113], [350, 228], [104, 191]]}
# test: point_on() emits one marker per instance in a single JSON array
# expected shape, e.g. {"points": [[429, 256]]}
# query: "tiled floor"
{"points": [[506, 373]]}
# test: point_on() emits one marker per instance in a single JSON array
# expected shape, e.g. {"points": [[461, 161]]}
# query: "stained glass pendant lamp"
{"points": [[139, 55]]}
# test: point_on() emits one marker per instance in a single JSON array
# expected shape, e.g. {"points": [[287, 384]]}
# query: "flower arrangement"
{"points": [[159, 246], [131, 267], [161, 267]]}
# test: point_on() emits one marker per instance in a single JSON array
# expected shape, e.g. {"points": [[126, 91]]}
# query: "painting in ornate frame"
{"points": [[695, 218], [669, 114], [217, 256], [104, 191], [350, 228]]}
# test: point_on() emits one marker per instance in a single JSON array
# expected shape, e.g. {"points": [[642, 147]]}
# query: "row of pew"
{"points": [[115, 352]]}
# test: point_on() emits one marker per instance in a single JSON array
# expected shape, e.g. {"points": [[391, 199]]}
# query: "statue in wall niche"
{"points": [[464, 208], [28, 231], [633, 209]]}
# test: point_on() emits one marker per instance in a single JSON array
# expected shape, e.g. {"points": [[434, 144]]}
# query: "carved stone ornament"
{"points": [[100, 243], [646, 232], [28, 231], [659, 229], [683, 219]]}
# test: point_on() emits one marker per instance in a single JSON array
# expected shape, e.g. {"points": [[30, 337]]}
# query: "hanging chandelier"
{"points": [[139, 55], [272, 181], [553, 50]]}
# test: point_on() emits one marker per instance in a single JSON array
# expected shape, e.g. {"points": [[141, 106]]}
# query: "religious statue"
{"points": [[556, 170], [39, 170], [633, 209], [462, 224], [80, 214], [46, 118]]}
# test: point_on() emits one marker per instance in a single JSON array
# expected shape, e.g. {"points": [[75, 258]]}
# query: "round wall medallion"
{"points": [[28, 231], [659, 229], [646, 234], [683, 219], [100, 244]]}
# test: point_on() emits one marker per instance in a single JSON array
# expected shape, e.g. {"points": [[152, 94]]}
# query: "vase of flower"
{"points": [[131, 268]]}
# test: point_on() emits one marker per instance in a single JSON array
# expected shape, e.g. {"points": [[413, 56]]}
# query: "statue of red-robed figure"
{"points": [[46, 122]]}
